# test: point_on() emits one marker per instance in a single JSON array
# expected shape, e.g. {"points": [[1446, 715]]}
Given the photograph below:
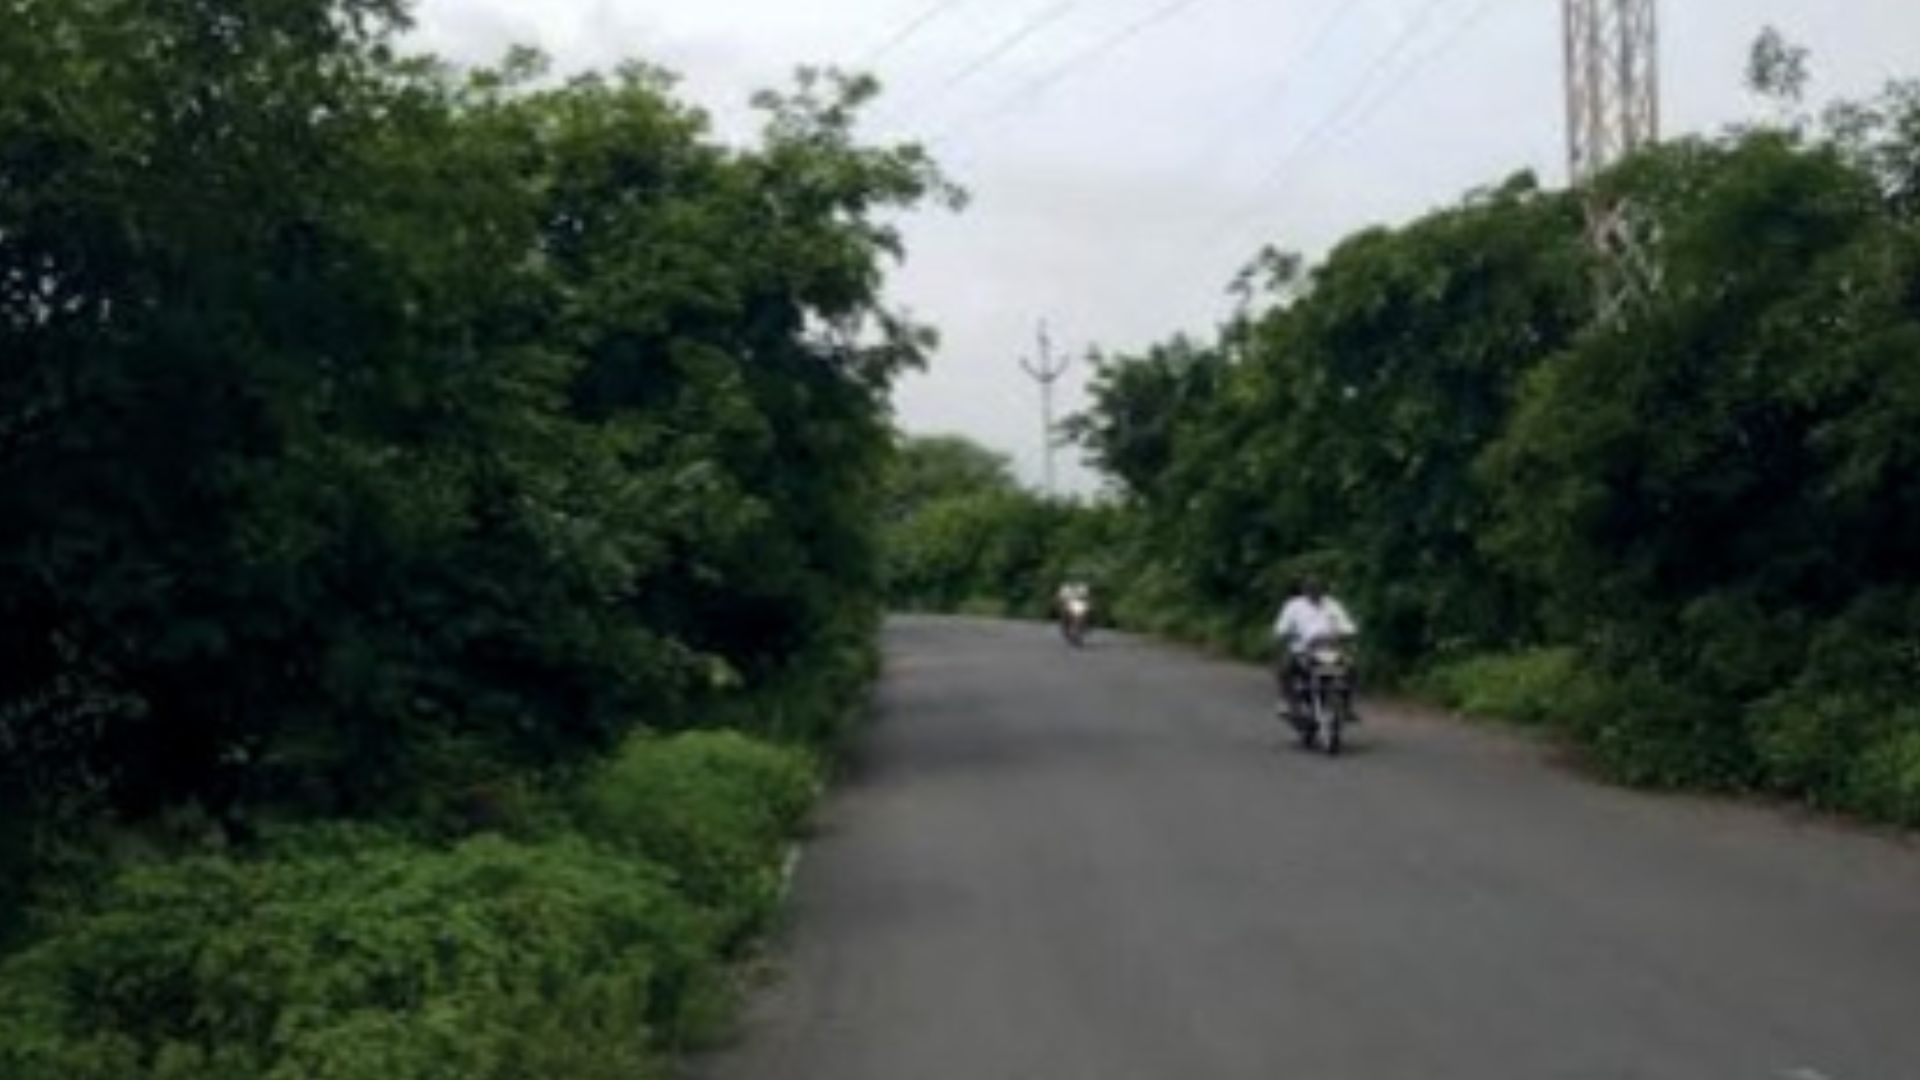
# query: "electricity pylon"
{"points": [[1613, 109]]}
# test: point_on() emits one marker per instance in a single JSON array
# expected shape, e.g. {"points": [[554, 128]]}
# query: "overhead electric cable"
{"points": [[1408, 35], [1275, 90], [1370, 105], [1034, 88], [908, 32], [1410, 73], [1005, 45], [1355, 117]]}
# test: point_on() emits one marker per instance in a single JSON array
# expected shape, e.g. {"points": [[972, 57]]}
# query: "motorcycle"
{"points": [[1322, 693], [1074, 616]]}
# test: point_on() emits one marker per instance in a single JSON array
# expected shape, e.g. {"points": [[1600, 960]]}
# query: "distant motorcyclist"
{"points": [[1073, 606], [1310, 618]]}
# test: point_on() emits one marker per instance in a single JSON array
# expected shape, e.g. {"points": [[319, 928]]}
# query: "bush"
{"points": [[1641, 728], [715, 808], [352, 955], [1846, 752], [1532, 687], [1885, 782], [812, 700], [1808, 741], [1846, 733]]}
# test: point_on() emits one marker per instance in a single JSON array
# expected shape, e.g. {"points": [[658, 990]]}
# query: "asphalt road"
{"points": [[1109, 865]]}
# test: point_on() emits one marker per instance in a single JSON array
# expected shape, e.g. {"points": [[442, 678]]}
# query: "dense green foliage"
{"points": [[1336, 431], [717, 807], [368, 430], [963, 536], [390, 443], [1715, 500], [354, 953], [1685, 537], [1536, 686], [928, 469]]}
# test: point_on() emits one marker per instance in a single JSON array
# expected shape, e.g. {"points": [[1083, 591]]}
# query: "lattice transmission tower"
{"points": [[1613, 109]]}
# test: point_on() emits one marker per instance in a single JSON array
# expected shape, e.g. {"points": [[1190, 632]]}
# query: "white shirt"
{"points": [[1302, 621]]}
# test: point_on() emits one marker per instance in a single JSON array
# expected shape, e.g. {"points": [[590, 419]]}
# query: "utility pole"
{"points": [[1046, 370], [1613, 109]]}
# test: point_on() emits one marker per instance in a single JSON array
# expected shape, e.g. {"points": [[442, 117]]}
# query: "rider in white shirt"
{"points": [[1072, 591], [1308, 618]]}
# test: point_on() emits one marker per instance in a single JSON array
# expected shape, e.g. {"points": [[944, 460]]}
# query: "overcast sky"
{"points": [[1118, 182]]}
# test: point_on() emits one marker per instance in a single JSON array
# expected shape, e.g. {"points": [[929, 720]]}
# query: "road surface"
{"points": [[1107, 865]]}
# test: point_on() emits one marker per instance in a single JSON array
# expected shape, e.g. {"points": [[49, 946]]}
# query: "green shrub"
{"points": [[715, 808], [810, 701], [1646, 730], [1807, 741], [1847, 751], [1845, 733], [1886, 778], [352, 956], [1531, 687]]}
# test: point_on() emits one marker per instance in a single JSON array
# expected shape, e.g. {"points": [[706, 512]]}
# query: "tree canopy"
{"points": [[370, 428]]}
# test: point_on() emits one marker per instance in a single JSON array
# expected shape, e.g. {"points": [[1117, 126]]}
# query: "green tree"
{"points": [[370, 431], [1336, 429], [929, 468], [1712, 495], [1130, 428], [962, 535]]}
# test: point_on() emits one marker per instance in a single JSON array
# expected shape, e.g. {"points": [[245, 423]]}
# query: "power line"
{"points": [[1033, 25], [1406, 80], [1336, 18], [1360, 90], [1410, 73], [1039, 85], [1372, 105], [1280, 169], [908, 32]]}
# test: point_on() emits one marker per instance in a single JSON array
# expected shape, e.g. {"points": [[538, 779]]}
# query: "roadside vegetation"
{"points": [[963, 536], [436, 545], [445, 516], [1684, 539]]}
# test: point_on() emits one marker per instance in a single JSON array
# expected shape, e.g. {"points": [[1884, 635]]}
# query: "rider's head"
{"points": [[1314, 589]]}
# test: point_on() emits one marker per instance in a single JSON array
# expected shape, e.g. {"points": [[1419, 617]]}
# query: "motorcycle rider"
{"points": [[1072, 599], [1310, 617]]}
